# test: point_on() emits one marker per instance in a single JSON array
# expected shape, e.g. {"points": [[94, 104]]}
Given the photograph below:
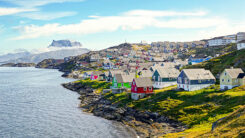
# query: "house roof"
{"points": [[241, 76], [168, 72], [122, 78], [145, 73], [168, 64], [198, 74], [114, 72], [143, 82], [234, 73]]}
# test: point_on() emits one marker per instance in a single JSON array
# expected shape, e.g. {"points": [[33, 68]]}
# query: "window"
{"points": [[228, 80], [159, 79], [180, 81], [135, 89], [150, 88], [186, 80], [222, 80], [199, 81], [154, 77], [225, 73], [145, 88], [122, 84]]}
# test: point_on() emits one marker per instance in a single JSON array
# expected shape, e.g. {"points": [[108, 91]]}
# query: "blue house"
{"points": [[195, 79], [198, 59]]}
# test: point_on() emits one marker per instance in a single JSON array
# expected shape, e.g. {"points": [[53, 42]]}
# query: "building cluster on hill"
{"points": [[143, 81], [141, 67], [224, 40]]}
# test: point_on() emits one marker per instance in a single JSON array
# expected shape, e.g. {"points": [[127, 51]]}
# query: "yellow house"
{"points": [[231, 78]]}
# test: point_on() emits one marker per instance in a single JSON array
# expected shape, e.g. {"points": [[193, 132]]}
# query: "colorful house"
{"points": [[140, 87], [195, 79], [164, 77], [122, 80], [231, 78], [97, 75], [145, 73], [198, 59]]}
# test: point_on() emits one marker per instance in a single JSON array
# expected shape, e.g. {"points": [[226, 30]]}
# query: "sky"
{"points": [[98, 24]]}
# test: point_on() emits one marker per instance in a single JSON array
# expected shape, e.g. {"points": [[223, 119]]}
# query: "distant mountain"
{"points": [[65, 43], [14, 56], [57, 50], [58, 54]]}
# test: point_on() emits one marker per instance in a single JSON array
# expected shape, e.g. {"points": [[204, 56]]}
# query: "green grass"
{"points": [[231, 126], [197, 109], [95, 84]]}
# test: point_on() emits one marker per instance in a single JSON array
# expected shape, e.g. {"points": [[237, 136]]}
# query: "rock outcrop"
{"points": [[146, 124]]}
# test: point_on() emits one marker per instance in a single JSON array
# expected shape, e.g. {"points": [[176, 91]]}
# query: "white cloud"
{"points": [[163, 13], [28, 6], [127, 21], [227, 28], [46, 16], [9, 11]]}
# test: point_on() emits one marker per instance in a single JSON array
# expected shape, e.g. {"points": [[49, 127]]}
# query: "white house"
{"points": [[241, 45]]}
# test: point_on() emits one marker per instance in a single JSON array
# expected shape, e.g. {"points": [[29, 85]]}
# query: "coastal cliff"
{"points": [[145, 123]]}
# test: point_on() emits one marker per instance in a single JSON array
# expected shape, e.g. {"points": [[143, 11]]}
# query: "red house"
{"points": [[140, 87]]}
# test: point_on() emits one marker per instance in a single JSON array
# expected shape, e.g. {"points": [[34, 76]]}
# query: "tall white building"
{"points": [[218, 41], [241, 45]]}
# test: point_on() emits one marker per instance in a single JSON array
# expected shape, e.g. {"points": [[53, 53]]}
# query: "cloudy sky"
{"points": [[97, 24]]}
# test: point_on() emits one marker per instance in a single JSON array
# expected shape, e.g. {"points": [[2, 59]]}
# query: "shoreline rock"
{"points": [[144, 123]]}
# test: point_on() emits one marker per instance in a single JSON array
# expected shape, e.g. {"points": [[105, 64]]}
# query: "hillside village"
{"points": [[160, 62], [148, 77]]}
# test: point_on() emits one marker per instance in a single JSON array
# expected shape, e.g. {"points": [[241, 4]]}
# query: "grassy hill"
{"points": [[197, 109], [230, 126], [218, 64]]}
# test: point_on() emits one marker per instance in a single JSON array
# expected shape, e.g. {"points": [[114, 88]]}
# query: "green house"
{"points": [[122, 80]]}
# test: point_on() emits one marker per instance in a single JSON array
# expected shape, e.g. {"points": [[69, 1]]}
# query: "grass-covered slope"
{"points": [[217, 65], [197, 109], [97, 85], [231, 126]]}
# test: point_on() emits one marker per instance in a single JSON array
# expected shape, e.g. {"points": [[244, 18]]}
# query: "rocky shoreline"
{"points": [[145, 124]]}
